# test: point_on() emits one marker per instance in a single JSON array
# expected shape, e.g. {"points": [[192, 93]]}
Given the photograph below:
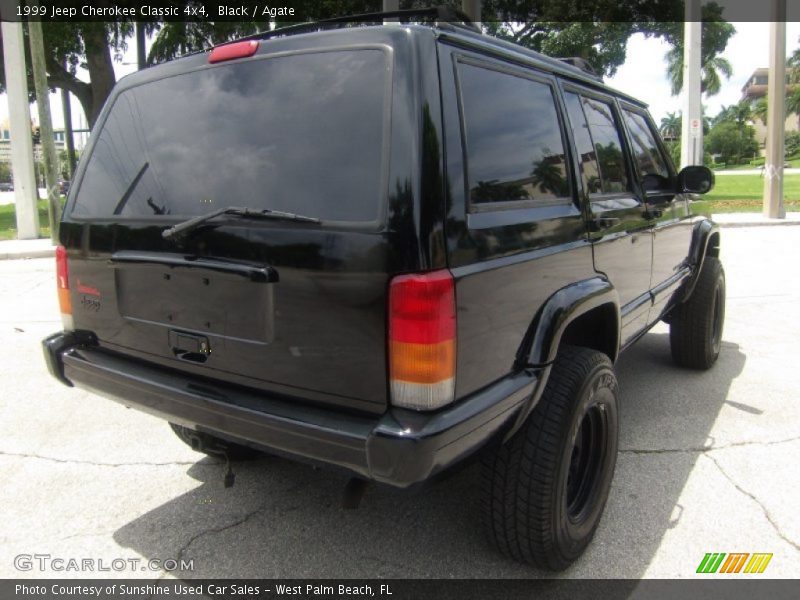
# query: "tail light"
{"points": [[62, 284], [422, 340]]}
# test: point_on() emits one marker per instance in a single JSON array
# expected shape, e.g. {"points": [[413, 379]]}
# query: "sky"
{"points": [[643, 75]]}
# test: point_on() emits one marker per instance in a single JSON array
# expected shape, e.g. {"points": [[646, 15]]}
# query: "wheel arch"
{"points": [[706, 241], [583, 313]]}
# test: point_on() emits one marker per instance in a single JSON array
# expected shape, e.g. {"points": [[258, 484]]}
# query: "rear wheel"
{"points": [[212, 445], [695, 331], [545, 489]]}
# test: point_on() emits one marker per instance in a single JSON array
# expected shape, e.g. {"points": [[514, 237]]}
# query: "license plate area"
{"points": [[196, 299]]}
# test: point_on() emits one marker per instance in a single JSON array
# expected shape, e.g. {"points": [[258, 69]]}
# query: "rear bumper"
{"points": [[399, 448]]}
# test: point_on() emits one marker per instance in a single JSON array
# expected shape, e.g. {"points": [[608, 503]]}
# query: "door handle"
{"points": [[600, 223]]}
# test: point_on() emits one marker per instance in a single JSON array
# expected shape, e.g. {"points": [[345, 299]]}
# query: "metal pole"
{"points": [[36, 40], [70, 142], [391, 6], [141, 55], [776, 114], [25, 193], [472, 8], [692, 137]]}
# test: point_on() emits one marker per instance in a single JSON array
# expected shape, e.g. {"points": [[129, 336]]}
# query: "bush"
{"points": [[732, 142], [758, 162], [792, 143]]}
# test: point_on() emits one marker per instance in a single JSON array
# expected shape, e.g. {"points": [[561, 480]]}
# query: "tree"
{"points": [[793, 103], [760, 110], [5, 172], [597, 31], [89, 45], [731, 142], [711, 69], [176, 38], [671, 126]]}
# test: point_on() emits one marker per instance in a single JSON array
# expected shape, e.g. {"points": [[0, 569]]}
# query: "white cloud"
{"points": [[644, 73]]}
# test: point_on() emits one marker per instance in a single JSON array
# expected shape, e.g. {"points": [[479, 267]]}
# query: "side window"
{"points": [[607, 144], [514, 147], [583, 144], [650, 162]]}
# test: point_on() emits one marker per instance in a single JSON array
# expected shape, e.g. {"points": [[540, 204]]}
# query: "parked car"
{"points": [[6, 187], [402, 248]]}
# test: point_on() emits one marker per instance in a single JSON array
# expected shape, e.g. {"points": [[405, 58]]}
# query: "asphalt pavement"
{"points": [[708, 463]]}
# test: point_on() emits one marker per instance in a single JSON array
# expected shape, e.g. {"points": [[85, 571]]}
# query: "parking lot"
{"points": [[708, 463]]}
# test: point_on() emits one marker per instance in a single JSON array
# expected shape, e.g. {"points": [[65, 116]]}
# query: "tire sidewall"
{"points": [[599, 388], [717, 298]]}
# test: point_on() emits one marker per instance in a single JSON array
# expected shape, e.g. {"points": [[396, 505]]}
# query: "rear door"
{"points": [[618, 227], [294, 308]]}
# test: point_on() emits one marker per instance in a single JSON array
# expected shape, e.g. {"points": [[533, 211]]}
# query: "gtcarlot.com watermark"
{"points": [[44, 563]]}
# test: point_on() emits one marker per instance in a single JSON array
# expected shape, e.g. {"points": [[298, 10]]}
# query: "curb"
{"points": [[48, 253], [759, 224]]}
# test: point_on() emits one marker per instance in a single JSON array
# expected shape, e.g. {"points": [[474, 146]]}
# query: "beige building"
{"points": [[5, 143], [754, 90]]}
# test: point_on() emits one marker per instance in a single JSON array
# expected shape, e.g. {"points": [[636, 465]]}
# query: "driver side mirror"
{"points": [[695, 180]]}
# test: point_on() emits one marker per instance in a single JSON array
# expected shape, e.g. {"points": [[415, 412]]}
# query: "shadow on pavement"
{"points": [[283, 519]]}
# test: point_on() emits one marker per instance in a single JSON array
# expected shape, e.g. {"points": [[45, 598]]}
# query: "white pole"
{"points": [[776, 114], [25, 192], [472, 8], [391, 6], [692, 132]]}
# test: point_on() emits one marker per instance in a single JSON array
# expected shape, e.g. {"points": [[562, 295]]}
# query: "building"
{"points": [[754, 90], [5, 143]]}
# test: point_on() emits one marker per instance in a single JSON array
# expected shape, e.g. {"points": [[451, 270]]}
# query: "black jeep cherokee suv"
{"points": [[387, 248]]}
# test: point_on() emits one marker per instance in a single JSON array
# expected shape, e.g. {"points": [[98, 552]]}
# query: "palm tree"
{"points": [[671, 126], [711, 71], [793, 103], [760, 110]]}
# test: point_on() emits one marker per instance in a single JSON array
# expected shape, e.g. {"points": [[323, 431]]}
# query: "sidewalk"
{"points": [[16, 249], [10, 249], [753, 219]]}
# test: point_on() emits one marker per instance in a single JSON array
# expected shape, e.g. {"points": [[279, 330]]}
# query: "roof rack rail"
{"points": [[583, 65], [444, 14]]}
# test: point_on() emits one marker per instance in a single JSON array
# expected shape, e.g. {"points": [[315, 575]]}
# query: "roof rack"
{"points": [[583, 65], [443, 14]]}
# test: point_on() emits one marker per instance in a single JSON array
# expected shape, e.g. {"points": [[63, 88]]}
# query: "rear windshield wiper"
{"points": [[249, 213]]}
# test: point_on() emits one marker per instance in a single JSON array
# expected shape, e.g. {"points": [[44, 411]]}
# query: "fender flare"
{"points": [[700, 248], [540, 344]]}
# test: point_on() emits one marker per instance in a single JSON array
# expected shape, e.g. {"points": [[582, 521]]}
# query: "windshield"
{"points": [[300, 133]]}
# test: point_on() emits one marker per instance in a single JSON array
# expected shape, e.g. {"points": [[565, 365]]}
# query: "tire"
{"points": [[695, 331], [545, 489], [211, 445]]}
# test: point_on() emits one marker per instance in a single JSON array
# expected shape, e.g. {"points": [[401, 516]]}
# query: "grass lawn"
{"points": [[744, 193], [8, 221]]}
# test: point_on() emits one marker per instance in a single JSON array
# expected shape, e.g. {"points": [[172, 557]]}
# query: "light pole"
{"points": [[776, 113], [692, 130], [25, 192]]}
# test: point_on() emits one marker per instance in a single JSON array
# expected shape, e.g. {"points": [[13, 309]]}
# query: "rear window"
{"points": [[300, 133]]}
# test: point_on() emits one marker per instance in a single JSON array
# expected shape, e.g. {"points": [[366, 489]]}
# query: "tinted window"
{"points": [[650, 163], [583, 144], [299, 133], [607, 144], [514, 146]]}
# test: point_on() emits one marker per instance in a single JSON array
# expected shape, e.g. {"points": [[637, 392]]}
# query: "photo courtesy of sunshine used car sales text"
{"points": [[207, 590]]}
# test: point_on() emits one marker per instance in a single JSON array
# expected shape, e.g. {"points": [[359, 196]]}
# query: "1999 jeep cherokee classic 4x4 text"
{"points": [[389, 249]]}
